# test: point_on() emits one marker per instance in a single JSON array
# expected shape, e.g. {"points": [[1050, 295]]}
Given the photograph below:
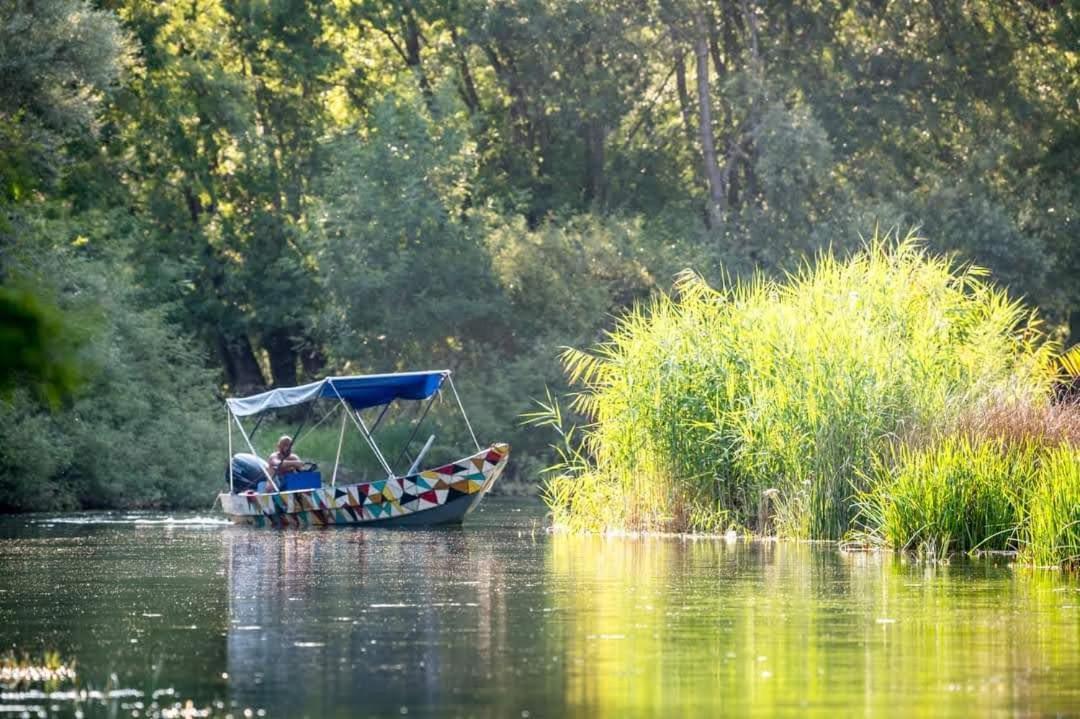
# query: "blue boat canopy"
{"points": [[359, 391]]}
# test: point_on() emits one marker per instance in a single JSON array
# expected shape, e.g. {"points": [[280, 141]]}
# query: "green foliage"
{"points": [[393, 231], [59, 57], [474, 290], [36, 348], [300, 188], [709, 399], [137, 431], [1051, 533], [57, 60], [956, 495]]}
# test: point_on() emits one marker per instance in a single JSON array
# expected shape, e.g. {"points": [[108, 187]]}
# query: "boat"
{"points": [[440, 495]]}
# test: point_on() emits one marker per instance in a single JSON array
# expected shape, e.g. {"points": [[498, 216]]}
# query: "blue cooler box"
{"points": [[301, 480]]}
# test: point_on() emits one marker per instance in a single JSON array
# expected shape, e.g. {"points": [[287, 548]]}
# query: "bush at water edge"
{"points": [[702, 401]]}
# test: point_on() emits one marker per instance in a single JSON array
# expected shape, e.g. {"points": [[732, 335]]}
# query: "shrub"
{"points": [[141, 429]]}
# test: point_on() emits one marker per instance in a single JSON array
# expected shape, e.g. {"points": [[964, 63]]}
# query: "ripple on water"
{"points": [[136, 519]]}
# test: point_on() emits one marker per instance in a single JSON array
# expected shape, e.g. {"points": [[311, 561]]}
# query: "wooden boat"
{"points": [[445, 494]]}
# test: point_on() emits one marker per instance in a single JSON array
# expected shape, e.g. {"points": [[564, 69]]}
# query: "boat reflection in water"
{"points": [[337, 623]]}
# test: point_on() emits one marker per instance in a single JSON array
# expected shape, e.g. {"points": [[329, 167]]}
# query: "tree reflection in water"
{"points": [[334, 622]]}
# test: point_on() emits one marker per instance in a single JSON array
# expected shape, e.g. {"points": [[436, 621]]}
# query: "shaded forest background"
{"points": [[205, 197]]}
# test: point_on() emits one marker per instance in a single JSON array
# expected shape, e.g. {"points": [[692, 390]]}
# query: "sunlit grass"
{"points": [[1051, 531], [699, 403], [958, 495], [49, 669]]}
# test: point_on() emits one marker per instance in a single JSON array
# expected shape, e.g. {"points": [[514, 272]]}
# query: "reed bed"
{"points": [[784, 402], [1004, 475], [958, 495], [1014, 422], [1051, 529]]}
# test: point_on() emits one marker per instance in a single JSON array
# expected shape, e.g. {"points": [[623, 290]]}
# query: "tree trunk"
{"points": [[714, 46], [1074, 327], [687, 111], [751, 28], [684, 98], [279, 346], [242, 370], [468, 85], [520, 122], [411, 28], [313, 362], [731, 38], [594, 161], [717, 187]]}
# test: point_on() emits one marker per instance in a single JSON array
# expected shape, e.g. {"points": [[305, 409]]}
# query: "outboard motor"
{"points": [[247, 471]]}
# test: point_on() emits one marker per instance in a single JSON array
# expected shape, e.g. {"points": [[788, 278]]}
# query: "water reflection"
{"points": [[327, 623], [710, 627], [136, 611], [499, 620]]}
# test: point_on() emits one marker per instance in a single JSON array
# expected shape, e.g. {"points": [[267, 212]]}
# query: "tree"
{"points": [[58, 58]]}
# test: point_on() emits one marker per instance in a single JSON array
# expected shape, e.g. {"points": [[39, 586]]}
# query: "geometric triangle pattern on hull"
{"points": [[370, 501]]}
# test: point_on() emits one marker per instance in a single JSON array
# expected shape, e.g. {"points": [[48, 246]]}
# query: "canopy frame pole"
{"points": [[337, 459], [380, 417], [409, 441], [254, 452], [462, 408], [257, 423], [228, 426], [318, 424], [374, 446], [359, 422]]}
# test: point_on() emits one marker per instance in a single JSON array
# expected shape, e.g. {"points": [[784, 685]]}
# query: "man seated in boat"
{"points": [[283, 461]]}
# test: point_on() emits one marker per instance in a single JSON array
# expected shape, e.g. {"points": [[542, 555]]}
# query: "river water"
{"points": [[164, 615]]}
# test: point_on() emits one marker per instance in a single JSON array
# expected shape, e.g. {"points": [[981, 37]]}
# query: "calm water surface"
{"points": [[500, 619]]}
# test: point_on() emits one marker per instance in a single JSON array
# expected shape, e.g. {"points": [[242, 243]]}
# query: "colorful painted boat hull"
{"points": [[443, 495]]}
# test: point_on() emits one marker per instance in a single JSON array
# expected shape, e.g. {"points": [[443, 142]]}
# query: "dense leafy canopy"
{"points": [[225, 195]]}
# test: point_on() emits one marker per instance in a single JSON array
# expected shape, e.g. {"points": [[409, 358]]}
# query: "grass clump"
{"points": [[1051, 530], [701, 403], [1003, 475], [957, 495]]}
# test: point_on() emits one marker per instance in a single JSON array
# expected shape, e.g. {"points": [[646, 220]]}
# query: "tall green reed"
{"points": [[699, 402], [956, 495], [1050, 533]]}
